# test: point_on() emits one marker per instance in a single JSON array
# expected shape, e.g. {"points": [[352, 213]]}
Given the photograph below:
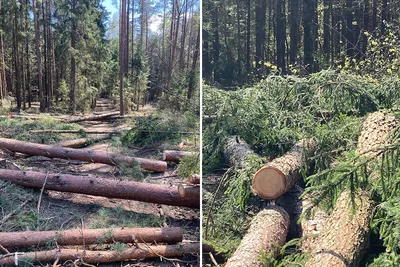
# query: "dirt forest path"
{"points": [[63, 210]]}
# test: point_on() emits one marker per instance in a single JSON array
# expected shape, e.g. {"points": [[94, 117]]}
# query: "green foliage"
{"points": [[119, 246], [189, 165], [386, 260]]}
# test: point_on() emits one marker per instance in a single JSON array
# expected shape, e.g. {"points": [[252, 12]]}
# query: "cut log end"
{"points": [[194, 179], [189, 191], [269, 183]]}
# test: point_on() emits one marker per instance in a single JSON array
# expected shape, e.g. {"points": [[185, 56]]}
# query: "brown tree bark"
{"points": [[235, 150], [74, 237], [3, 82], [145, 192], [80, 154], [82, 142], [72, 93], [38, 57], [88, 256], [189, 191], [279, 175], [194, 179], [266, 233], [94, 117], [74, 131], [176, 155]]}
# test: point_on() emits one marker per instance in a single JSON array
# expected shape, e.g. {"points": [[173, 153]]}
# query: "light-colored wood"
{"points": [[194, 179], [189, 191]]}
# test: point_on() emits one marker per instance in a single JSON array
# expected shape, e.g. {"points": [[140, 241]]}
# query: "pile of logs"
{"points": [[338, 239]]}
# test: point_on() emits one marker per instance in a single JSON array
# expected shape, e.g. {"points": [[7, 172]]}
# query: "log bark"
{"points": [[82, 142], [93, 117], [344, 239], [194, 179], [74, 237], [80, 154], [189, 191], [145, 192], [75, 131], [267, 232], [176, 155], [235, 150], [137, 252], [281, 174]]}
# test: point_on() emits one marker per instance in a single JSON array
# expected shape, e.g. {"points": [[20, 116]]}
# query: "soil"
{"points": [[60, 210]]}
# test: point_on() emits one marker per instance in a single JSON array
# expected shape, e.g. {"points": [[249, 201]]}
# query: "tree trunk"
{"points": [[327, 32], [111, 188], [85, 237], [82, 142], [176, 155], [374, 16], [80, 154], [349, 29], [365, 27], [76, 131], [87, 256], [3, 82], [94, 117], [308, 35], [72, 93], [279, 175], [267, 232], [280, 35], [193, 74], [235, 150], [194, 179], [248, 37], [189, 191], [294, 29], [384, 16], [38, 57]]}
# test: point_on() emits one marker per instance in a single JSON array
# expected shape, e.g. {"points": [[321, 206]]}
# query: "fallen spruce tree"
{"points": [[176, 155], [136, 252], [267, 232], [281, 174], [80, 154], [236, 150], [73, 237], [345, 237], [146, 192], [82, 142], [76, 131], [94, 117]]}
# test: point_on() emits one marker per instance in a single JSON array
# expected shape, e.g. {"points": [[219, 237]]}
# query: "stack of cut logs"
{"points": [[338, 239], [144, 241]]}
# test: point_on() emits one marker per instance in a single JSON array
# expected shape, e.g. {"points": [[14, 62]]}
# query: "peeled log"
{"points": [[189, 191], [146, 192], [91, 236], [94, 117], [176, 155], [267, 232], [136, 252], [344, 239], [80, 154], [194, 179], [281, 174], [81, 142], [235, 151]]}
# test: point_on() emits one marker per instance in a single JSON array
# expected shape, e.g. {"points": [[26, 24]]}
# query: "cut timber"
{"points": [[235, 150], [146, 192], [344, 239], [82, 142], [279, 175], [76, 131], [91, 236], [176, 155], [267, 232], [94, 117], [194, 179], [189, 191], [80, 154], [140, 251]]}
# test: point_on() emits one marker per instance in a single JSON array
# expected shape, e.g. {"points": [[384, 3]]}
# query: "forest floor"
{"points": [[61, 210]]}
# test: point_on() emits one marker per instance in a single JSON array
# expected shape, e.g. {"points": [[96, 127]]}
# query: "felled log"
{"points": [[82, 142], [146, 192], [235, 150], [140, 251], [194, 179], [344, 239], [91, 236], [93, 117], [279, 175], [189, 191], [80, 154], [176, 155], [75, 131], [267, 232]]}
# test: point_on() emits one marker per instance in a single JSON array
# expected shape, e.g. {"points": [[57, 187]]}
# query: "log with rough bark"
{"points": [[145, 192], [189, 191], [344, 239], [194, 179], [82, 142], [76, 131], [279, 175], [80, 154], [267, 231], [235, 150], [140, 251], [73, 237], [176, 155], [93, 117]]}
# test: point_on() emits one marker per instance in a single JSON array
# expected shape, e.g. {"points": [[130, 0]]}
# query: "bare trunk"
{"points": [[176, 155], [194, 179], [93, 118], [82, 142], [236, 150]]}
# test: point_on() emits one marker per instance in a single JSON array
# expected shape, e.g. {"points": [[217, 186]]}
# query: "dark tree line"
{"points": [[244, 40]]}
